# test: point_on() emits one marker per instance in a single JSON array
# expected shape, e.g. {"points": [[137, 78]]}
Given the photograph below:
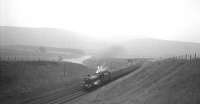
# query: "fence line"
{"points": [[191, 58], [15, 58]]}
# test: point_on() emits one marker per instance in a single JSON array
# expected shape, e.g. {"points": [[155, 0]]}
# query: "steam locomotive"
{"points": [[96, 80], [102, 77]]}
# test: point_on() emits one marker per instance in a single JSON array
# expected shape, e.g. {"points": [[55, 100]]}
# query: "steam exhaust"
{"points": [[101, 68]]}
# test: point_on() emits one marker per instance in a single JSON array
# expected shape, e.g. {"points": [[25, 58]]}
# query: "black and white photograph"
{"points": [[99, 51]]}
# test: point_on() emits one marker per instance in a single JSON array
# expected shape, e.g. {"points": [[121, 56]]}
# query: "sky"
{"points": [[116, 20]]}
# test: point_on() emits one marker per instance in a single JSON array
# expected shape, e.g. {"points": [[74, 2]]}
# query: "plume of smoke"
{"points": [[101, 69], [112, 52]]}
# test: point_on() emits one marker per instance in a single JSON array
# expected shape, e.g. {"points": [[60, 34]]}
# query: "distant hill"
{"points": [[22, 52], [152, 48], [48, 37], [39, 37]]}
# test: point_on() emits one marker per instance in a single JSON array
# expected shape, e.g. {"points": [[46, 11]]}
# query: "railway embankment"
{"points": [[160, 82]]}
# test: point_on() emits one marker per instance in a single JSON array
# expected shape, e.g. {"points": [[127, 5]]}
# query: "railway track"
{"points": [[67, 98], [58, 97]]}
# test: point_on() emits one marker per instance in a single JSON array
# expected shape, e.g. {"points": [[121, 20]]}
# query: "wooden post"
{"points": [[195, 58], [64, 70], [186, 56]]}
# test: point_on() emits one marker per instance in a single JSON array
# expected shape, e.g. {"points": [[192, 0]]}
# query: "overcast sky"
{"points": [[109, 19]]}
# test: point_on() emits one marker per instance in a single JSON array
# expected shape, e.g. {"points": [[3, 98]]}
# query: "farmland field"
{"points": [[23, 79], [26, 78]]}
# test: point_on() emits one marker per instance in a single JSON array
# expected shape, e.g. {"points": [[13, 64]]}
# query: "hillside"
{"points": [[48, 37], [38, 36], [162, 82], [134, 48], [25, 52], [21, 79], [158, 48]]}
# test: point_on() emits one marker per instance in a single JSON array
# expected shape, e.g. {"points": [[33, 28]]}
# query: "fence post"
{"points": [[195, 58], [186, 57], [64, 70]]}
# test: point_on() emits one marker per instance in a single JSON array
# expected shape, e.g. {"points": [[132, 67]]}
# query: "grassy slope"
{"points": [[163, 82], [25, 52], [26, 77]]}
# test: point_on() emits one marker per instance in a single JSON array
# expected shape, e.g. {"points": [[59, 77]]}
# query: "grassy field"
{"points": [[24, 78], [162, 82]]}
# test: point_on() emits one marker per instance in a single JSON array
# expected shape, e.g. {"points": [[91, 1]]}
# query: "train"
{"points": [[96, 80], [101, 78]]}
